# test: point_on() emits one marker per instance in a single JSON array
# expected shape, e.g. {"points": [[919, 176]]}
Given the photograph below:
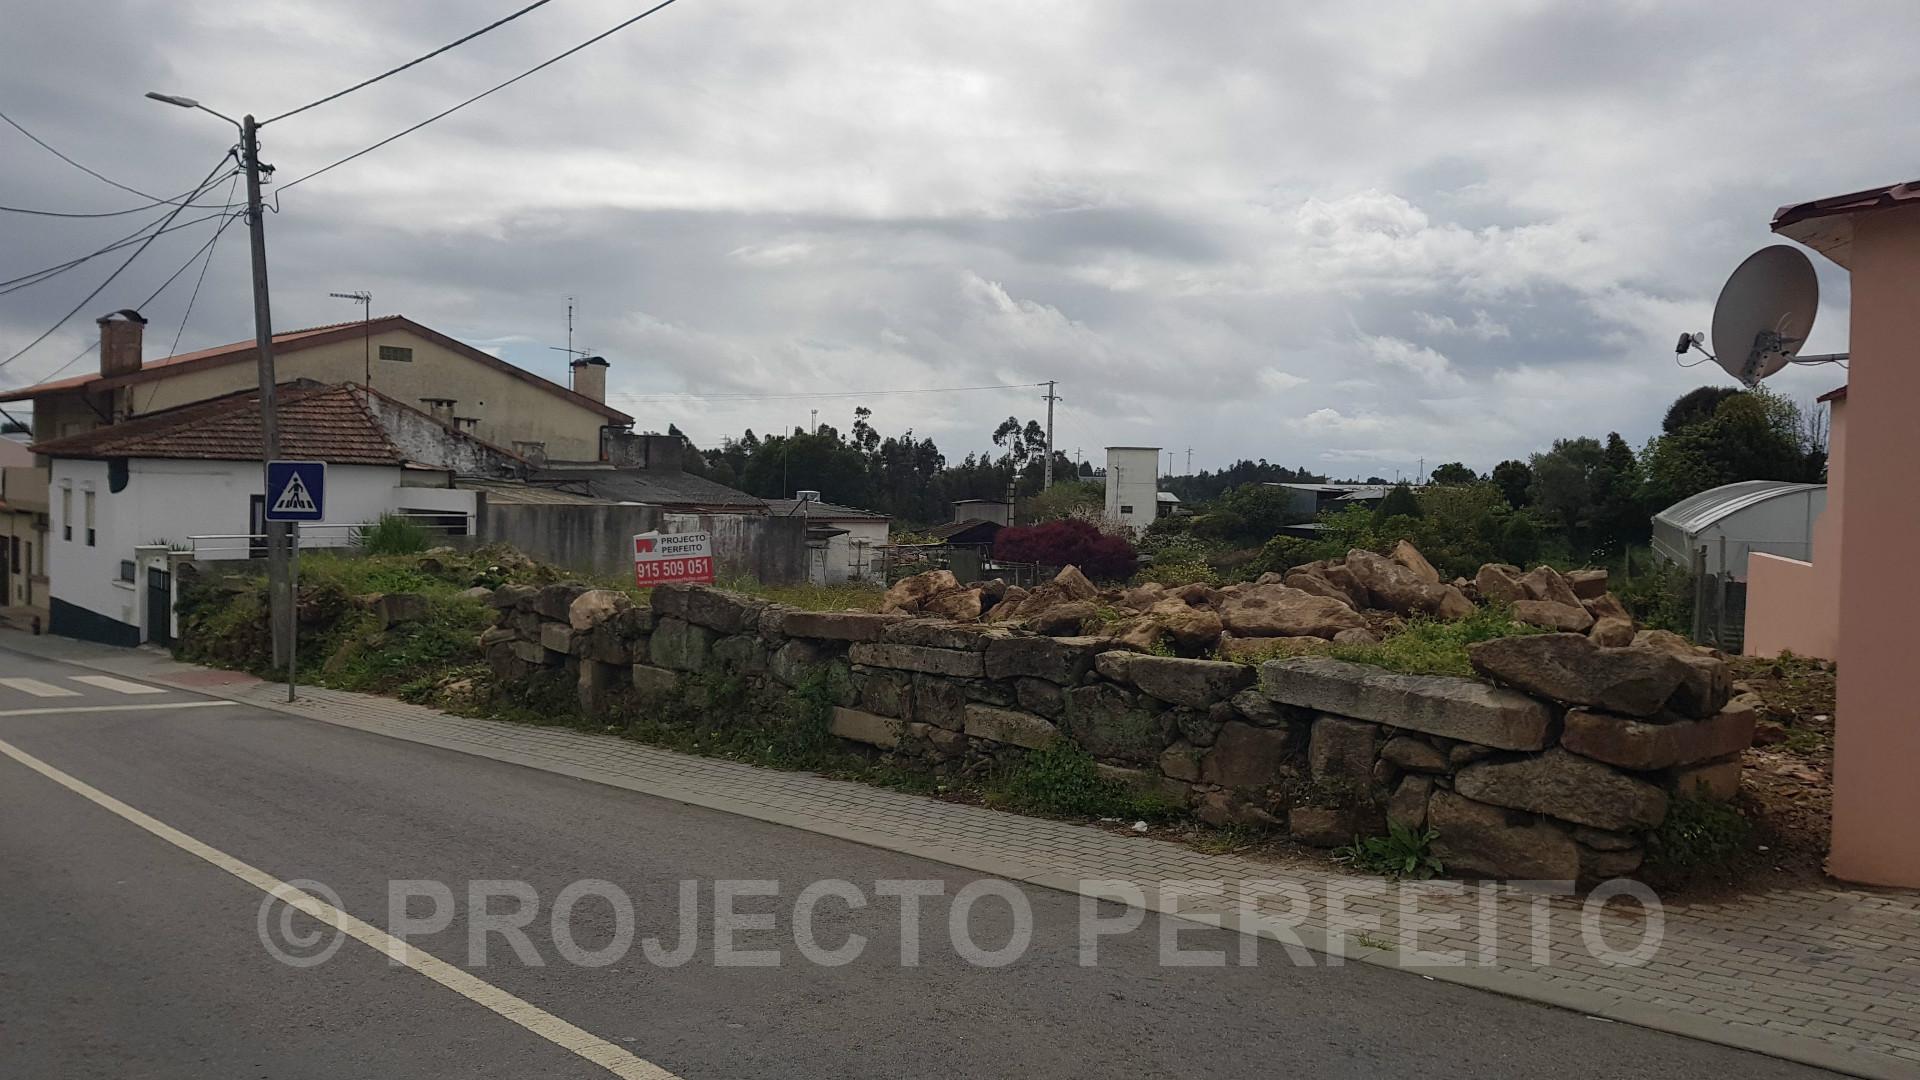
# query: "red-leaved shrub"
{"points": [[1068, 543]]}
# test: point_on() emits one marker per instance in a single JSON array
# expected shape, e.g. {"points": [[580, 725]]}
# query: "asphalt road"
{"points": [[123, 955]]}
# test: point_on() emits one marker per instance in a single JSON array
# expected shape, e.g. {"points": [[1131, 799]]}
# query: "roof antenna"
{"points": [[365, 300], [572, 353]]}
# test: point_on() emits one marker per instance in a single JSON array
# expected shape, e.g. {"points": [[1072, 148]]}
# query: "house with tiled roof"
{"points": [[130, 500], [843, 542]]}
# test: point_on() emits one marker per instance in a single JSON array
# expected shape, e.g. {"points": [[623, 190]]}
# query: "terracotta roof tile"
{"points": [[331, 424]]}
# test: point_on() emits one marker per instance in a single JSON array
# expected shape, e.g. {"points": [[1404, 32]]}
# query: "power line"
{"points": [[496, 24], [37, 276], [188, 314], [206, 247], [102, 213], [502, 86], [44, 145], [643, 398], [205, 182]]}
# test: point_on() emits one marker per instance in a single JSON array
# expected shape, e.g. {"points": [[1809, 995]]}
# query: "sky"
{"points": [[1354, 238]]}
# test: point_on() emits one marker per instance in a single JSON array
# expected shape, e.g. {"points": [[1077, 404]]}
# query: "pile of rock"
{"points": [[1350, 600], [1557, 765]]}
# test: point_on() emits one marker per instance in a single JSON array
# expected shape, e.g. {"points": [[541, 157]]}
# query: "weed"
{"points": [[394, 535], [1433, 647], [1404, 852], [1371, 941], [1061, 778], [1699, 833]]}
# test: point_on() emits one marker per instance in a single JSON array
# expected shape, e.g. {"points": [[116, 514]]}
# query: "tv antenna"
{"points": [[365, 300], [1763, 317], [572, 353]]}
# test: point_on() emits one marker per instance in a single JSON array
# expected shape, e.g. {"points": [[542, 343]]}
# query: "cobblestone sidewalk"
{"points": [[1829, 976]]}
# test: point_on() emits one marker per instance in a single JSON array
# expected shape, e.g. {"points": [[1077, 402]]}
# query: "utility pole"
{"points": [[1189, 461], [1046, 470], [278, 582]]}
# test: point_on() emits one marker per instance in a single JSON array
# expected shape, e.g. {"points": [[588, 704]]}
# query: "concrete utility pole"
{"points": [[1046, 470], [281, 616]]}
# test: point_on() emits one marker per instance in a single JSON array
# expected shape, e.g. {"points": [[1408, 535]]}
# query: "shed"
{"points": [[1733, 520]]}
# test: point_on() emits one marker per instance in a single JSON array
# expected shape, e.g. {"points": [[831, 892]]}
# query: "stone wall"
{"points": [[1556, 766]]}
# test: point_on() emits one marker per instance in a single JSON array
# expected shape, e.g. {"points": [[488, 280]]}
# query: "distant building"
{"points": [[997, 510], [843, 542], [1311, 500], [1722, 526], [1133, 485]]}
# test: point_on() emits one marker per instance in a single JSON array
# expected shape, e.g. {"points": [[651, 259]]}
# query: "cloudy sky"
{"points": [[1346, 236]]}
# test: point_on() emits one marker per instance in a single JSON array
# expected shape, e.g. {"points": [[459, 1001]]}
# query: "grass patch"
{"points": [[1402, 853], [1062, 779], [852, 596], [1435, 647], [394, 535]]}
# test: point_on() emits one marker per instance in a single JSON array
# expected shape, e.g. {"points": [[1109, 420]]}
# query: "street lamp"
{"points": [[276, 532]]}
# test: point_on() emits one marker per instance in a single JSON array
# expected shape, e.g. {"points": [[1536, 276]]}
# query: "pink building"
{"points": [[1794, 606], [1876, 754]]}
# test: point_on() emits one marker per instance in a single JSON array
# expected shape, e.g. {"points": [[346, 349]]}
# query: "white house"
{"points": [[1133, 485], [130, 500], [843, 542]]}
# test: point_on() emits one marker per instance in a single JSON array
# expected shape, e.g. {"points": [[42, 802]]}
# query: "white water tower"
{"points": [[1133, 485]]}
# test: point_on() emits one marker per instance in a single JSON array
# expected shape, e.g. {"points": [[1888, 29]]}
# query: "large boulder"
{"points": [[1545, 583], [1197, 683], [510, 597], [1491, 841], [1392, 586], [1608, 606], [553, 601], [1499, 583], [1464, 709], [1315, 585], [1062, 660], [1611, 632], [962, 606], [1341, 749], [1409, 556], [721, 609], [1643, 745], [1065, 617], [1566, 786], [595, 606], [909, 593], [1551, 615], [1074, 584], [1280, 611], [394, 608], [1587, 584], [1705, 689], [1572, 669]]}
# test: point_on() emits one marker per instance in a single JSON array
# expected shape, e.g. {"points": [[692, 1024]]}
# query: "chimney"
{"points": [[590, 377], [120, 338], [663, 452], [440, 409]]}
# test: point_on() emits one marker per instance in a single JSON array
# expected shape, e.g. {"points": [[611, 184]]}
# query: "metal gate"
{"points": [[1719, 607], [159, 606]]}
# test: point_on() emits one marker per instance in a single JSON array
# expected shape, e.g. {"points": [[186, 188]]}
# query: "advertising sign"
{"points": [[672, 559]]}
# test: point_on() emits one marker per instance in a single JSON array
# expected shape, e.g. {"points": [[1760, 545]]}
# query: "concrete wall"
{"points": [[599, 539], [508, 409], [1877, 734], [1133, 485], [1794, 606]]}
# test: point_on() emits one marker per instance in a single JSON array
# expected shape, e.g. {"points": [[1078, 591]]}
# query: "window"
{"points": [[13, 557], [66, 513], [1125, 508], [126, 571], [400, 354], [89, 500]]}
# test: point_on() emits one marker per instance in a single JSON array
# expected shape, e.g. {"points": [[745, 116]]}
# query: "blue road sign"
{"points": [[296, 490]]}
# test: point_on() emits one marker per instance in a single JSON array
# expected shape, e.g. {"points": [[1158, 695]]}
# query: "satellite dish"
{"points": [[1765, 312]]}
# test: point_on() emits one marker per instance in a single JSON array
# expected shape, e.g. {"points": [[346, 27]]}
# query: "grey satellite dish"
{"points": [[1765, 312]]}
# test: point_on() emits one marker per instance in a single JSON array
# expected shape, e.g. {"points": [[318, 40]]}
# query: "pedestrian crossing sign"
{"points": [[296, 490]]}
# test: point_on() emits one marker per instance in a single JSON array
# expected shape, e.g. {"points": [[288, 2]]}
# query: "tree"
{"points": [[1066, 498], [1400, 502], [1068, 543], [1514, 479], [1752, 435], [1695, 406], [1453, 472], [1566, 480]]}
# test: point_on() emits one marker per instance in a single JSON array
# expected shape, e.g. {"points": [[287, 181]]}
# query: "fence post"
{"points": [[1699, 593]]}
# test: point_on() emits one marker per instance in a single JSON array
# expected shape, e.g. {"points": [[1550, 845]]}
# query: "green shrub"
{"points": [[1699, 833], [1435, 647], [1061, 778], [1404, 852], [394, 535], [1659, 596]]}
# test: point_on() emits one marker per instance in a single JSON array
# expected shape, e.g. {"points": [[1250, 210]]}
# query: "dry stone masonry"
{"points": [[1556, 764]]}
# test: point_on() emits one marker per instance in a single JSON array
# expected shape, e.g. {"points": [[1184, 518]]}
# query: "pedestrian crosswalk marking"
{"points": [[38, 688], [118, 686]]}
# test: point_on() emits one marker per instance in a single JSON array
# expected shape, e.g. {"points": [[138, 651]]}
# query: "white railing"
{"points": [[218, 547]]}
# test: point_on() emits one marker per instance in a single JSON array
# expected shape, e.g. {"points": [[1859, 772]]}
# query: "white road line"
{"points": [[156, 706], [118, 686], [619, 1062], [38, 688]]}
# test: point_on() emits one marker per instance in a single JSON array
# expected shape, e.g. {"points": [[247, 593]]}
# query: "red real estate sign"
{"points": [[672, 559]]}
